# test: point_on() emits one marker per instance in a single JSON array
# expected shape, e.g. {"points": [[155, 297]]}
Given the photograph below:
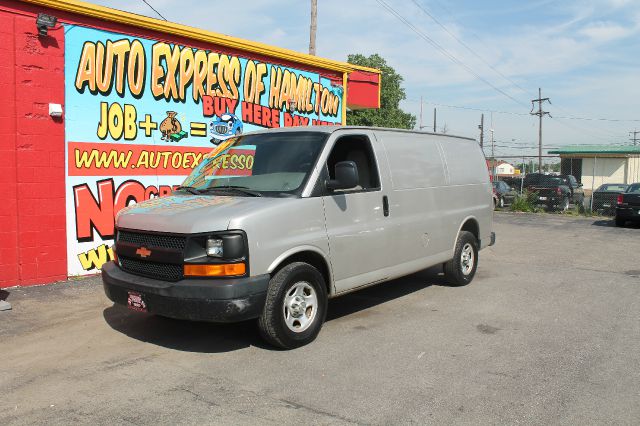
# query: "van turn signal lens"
{"points": [[223, 270]]}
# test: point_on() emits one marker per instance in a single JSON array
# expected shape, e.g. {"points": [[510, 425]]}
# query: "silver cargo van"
{"points": [[270, 225]]}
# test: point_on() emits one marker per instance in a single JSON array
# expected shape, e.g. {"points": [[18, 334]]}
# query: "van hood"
{"points": [[188, 214]]}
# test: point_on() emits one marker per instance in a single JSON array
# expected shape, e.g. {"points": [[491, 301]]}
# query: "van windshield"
{"points": [[268, 164]]}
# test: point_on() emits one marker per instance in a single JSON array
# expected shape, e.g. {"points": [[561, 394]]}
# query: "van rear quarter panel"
{"points": [[417, 178], [469, 187], [438, 182]]}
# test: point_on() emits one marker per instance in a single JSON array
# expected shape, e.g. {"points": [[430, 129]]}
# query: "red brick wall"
{"points": [[32, 209]]}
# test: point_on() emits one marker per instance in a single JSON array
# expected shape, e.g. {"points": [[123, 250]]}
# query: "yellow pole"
{"points": [[345, 79]]}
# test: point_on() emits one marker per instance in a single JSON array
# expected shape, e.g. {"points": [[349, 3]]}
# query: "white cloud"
{"points": [[604, 31]]}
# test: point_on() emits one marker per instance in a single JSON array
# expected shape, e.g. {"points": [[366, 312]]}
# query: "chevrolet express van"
{"points": [[272, 224]]}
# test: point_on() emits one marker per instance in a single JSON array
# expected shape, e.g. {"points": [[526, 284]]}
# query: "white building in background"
{"points": [[599, 164], [505, 169]]}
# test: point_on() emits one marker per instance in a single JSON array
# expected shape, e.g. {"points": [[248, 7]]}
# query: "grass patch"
{"points": [[525, 202]]}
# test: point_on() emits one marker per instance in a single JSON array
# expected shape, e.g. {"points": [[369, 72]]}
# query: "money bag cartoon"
{"points": [[170, 126]]}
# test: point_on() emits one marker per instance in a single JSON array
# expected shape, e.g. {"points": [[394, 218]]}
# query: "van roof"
{"points": [[331, 129]]}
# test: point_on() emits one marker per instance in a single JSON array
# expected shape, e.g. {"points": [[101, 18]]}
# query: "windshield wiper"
{"points": [[189, 189], [234, 188]]}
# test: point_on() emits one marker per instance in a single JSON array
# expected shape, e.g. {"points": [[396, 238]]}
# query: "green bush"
{"points": [[525, 202]]}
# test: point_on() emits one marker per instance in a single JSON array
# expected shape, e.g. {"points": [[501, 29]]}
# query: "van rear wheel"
{"points": [[295, 308], [460, 270]]}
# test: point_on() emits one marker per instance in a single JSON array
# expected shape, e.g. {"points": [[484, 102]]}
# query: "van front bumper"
{"points": [[215, 300]]}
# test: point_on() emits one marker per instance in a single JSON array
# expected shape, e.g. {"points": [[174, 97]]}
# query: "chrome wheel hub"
{"points": [[300, 306], [467, 259]]}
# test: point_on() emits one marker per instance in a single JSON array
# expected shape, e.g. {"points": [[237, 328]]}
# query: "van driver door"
{"points": [[356, 219]]}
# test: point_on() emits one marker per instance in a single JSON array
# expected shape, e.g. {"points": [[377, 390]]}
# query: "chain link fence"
{"points": [[602, 179]]}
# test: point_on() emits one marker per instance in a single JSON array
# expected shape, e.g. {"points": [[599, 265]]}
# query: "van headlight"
{"points": [[215, 247], [219, 254]]}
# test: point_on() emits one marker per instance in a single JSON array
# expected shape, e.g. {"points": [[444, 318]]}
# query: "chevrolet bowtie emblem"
{"points": [[143, 252]]}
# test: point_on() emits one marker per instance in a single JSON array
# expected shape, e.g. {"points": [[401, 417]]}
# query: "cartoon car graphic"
{"points": [[224, 127]]}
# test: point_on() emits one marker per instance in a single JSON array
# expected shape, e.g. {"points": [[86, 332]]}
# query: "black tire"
{"points": [[454, 269], [565, 204], [620, 222], [272, 323]]}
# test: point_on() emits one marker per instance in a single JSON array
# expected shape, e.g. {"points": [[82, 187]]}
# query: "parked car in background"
{"points": [[628, 205], [505, 194], [514, 182], [555, 192], [606, 196], [494, 196]]}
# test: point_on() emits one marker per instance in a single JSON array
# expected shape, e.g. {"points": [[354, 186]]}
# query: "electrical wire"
{"points": [[445, 52], [152, 8], [513, 83], [463, 44], [616, 120]]}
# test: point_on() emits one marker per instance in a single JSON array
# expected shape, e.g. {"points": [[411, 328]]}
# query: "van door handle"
{"points": [[385, 205]]}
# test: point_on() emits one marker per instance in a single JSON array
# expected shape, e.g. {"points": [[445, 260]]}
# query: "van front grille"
{"points": [[161, 271], [152, 240]]}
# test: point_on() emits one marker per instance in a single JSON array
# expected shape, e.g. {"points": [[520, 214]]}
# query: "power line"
{"points": [[513, 83], [629, 120], [444, 51], [434, 19], [152, 8], [598, 119]]}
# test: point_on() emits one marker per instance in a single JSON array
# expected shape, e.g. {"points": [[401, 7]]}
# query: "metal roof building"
{"points": [[594, 165]]}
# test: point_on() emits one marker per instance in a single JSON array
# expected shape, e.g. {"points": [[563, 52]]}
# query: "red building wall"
{"points": [[32, 212]]}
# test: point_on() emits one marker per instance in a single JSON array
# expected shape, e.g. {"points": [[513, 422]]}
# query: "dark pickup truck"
{"points": [[555, 192], [605, 197], [628, 205]]}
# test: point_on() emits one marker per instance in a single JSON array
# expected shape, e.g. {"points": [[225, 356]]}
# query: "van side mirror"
{"points": [[346, 176]]}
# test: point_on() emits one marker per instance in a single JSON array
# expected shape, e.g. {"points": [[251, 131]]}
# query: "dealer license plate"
{"points": [[542, 198], [136, 302]]}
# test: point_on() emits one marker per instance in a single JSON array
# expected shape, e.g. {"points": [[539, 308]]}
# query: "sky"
{"points": [[466, 57]]}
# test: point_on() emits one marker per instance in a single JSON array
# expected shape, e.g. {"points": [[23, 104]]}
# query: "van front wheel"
{"points": [[460, 270], [295, 308]]}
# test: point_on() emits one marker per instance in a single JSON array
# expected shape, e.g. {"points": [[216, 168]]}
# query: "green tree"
{"points": [[389, 114]]}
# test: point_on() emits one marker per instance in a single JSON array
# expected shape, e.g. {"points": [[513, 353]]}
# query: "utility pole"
{"points": [[434, 120], [493, 157], [634, 139], [540, 113], [313, 28], [434, 117], [481, 127]]}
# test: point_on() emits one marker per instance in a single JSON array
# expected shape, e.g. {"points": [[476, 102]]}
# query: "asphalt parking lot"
{"points": [[548, 332]]}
